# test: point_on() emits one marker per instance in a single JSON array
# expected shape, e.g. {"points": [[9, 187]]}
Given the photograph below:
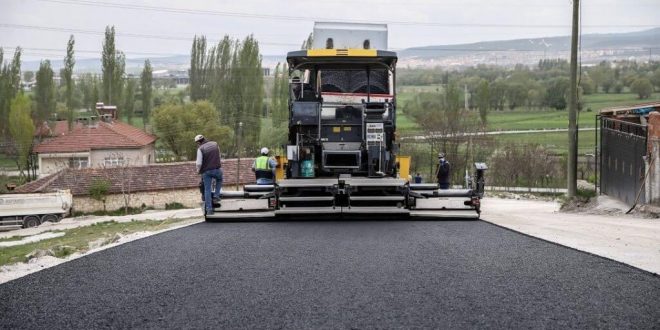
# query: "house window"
{"points": [[114, 161], [78, 162]]}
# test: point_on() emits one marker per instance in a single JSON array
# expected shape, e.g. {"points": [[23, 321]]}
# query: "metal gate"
{"points": [[623, 147]]}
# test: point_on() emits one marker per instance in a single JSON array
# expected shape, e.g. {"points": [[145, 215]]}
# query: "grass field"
{"points": [[555, 141], [527, 119]]}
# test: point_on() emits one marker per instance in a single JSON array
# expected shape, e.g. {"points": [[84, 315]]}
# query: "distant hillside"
{"points": [[596, 47], [642, 39]]}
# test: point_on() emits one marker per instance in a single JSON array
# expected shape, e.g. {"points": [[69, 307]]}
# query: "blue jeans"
{"points": [[208, 177], [264, 181]]}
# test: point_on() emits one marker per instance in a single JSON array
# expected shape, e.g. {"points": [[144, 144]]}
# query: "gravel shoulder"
{"points": [[602, 230]]}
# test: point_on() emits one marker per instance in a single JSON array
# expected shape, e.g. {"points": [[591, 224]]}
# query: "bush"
{"points": [[174, 206]]}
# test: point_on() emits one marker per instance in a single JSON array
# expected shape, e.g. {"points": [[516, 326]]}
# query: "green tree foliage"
{"points": [[177, 124], [89, 87], [10, 84], [198, 70], [129, 99], [44, 93], [109, 63], [279, 103], [642, 87], [21, 129], [247, 85], [114, 64], [483, 101], [27, 75], [146, 90], [67, 76], [556, 93], [99, 190]]}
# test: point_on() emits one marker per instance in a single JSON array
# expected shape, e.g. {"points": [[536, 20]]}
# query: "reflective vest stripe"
{"points": [[262, 163]]}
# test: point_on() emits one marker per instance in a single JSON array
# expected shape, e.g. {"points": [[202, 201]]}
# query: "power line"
{"points": [[130, 35], [309, 19]]}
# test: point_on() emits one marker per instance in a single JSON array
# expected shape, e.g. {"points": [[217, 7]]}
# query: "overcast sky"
{"points": [[151, 28]]}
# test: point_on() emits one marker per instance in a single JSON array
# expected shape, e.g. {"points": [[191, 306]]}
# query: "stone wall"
{"points": [[189, 198]]}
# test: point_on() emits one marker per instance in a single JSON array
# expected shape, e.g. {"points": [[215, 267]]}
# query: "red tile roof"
{"points": [[104, 135], [55, 128], [152, 177]]}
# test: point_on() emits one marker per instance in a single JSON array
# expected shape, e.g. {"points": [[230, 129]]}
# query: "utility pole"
{"points": [[238, 154], [465, 97], [572, 108]]}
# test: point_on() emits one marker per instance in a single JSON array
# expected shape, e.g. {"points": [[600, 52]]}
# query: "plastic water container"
{"points": [[307, 169]]}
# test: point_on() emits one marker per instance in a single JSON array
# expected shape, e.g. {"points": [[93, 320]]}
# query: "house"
{"points": [[153, 185], [628, 152], [102, 143]]}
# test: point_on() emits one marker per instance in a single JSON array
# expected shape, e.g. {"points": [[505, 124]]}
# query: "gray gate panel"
{"points": [[623, 147]]}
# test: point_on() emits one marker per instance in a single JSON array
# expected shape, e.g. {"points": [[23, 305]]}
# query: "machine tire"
{"points": [[50, 217], [31, 221]]}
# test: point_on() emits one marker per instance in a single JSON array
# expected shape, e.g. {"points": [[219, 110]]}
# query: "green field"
{"points": [[555, 141], [525, 119]]}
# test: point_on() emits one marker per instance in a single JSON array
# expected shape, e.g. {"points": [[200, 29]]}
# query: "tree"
{"points": [[146, 88], [279, 104], [114, 64], [555, 95], [642, 87], [69, 62], [177, 124], [10, 84], [118, 80], [246, 91], [21, 129], [109, 62], [129, 99], [483, 100], [99, 189], [27, 75], [198, 74], [45, 92]]}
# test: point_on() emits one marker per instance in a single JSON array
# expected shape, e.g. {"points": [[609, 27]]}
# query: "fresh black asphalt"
{"points": [[335, 274]]}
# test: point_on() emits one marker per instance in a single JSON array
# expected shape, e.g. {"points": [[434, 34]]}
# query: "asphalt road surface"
{"points": [[368, 274]]}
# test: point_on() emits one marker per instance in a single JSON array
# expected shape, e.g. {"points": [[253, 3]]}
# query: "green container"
{"points": [[307, 169]]}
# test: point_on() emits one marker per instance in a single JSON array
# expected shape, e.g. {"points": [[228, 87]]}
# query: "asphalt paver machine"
{"points": [[341, 157]]}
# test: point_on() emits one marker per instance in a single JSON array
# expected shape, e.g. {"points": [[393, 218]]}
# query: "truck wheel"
{"points": [[31, 221], [50, 217]]}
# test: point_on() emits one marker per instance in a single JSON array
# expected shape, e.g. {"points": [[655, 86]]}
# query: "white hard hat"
{"points": [[199, 137], [264, 151], [441, 155]]}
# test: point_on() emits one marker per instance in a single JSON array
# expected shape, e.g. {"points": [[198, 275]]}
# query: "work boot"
{"points": [[216, 202]]}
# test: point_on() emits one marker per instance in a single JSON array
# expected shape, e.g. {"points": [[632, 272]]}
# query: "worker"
{"points": [[210, 168], [418, 178], [264, 168], [444, 171]]}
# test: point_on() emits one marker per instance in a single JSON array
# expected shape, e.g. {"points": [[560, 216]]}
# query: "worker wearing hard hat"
{"points": [[209, 166], [444, 171], [264, 168]]}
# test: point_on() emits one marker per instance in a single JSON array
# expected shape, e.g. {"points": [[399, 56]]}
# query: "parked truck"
{"points": [[31, 210]]}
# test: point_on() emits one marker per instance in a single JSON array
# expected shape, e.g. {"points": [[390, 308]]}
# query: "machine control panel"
{"points": [[375, 133]]}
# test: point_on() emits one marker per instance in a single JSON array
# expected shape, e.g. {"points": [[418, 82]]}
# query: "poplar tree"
{"points": [[109, 63], [22, 131], [10, 84], [146, 89], [129, 100], [197, 72], [44, 92], [67, 75], [280, 95]]}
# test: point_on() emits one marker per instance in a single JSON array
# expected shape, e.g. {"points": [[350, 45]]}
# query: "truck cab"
{"points": [[342, 105]]}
